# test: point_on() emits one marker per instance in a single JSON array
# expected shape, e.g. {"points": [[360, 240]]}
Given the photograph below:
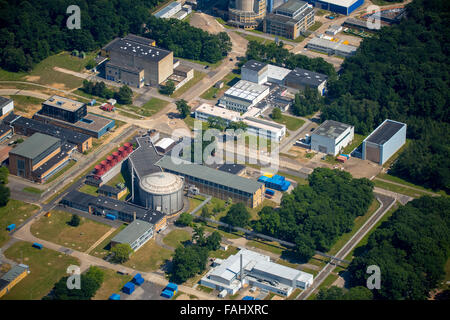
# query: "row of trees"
{"points": [[314, 216], [5, 193], [190, 259], [32, 30], [411, 250], [186, 41], [123, 96]]}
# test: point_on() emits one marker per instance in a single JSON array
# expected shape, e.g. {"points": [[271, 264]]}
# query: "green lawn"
{"points": [[149, 257], [14, 212], [299, 180], [225, 234], [324, 285], [254, 211], [189, 121], [224, 23], [89, 190], [194, 202], [357, 140], [60, 172], [33, 190], [321, 12], [273, 247], [399, 189], [315, 26], [222, 254], [23, 103], [297, 40], [176, 237], [112, 283], [198, 76], [129, 115], [153, 106], [56, 229], [228, 81], [46, 268], [386, 176], [102, 250], [291, 123]]}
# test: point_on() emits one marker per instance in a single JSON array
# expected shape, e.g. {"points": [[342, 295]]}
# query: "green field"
{"points": [[149, 257], [14, 212], [33, 190], [23, 103], [273, 247], [228, 81], [46, 268], [291, 123], [89, 190], [102, 250], [175, 238], [194, 202], [399, 189], [189, 121], [222, 254], [112, 283], [357, 140], [315, 26], [386, 176], [56, 229], [129, 115], [198, 76], [324, 285], [150, 108]]}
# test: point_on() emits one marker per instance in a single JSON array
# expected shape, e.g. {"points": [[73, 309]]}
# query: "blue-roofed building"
{"points": [[339, 6]]}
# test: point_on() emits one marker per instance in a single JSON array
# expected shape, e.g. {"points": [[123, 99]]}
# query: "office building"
{"points": [[136, 234], [169, 10], [64, 109], [243, 95], [331, 137]]}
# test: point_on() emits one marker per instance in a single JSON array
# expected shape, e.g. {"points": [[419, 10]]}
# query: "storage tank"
{"points": [[162, 191]]}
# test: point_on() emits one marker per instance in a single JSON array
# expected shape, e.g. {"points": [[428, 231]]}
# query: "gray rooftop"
{"points": [[166, 9], [132, 232], [137, 49], [14, 272], [35, 145], [211, 175], [331, 129], [291, 7], [385, 132], [4, 101], [306, 77], [254, 65], [144, 157]]}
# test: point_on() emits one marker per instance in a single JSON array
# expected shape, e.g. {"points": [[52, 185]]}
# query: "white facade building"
{"points": [[331, 47], [257, 271], [243, 95], [331, 137], [6, 106], [205, 111], [266, 129], [169, 10]]}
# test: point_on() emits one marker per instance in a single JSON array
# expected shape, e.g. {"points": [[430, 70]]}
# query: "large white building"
{"points": [[255, 126], [331, 137], [243, 95], [257, 271]]}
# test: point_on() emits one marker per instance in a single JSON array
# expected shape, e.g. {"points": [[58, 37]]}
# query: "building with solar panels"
{"points": [[243, 95], [384, 141], [331, 137]]}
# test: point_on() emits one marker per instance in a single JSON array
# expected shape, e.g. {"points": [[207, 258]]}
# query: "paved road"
{"points": [[386, 203]]}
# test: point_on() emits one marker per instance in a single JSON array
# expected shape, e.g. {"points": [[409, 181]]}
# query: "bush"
{"points": [[121, 252], [185, 219], [75, 221]]}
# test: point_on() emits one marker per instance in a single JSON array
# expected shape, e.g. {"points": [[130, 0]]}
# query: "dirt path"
{"points": [[106, 235]]}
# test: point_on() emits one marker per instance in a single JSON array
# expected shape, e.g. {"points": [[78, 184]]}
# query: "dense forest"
{"points": [[411, 249], [277, 55], [32, 30], [314, 216], [403, 75], [186, 41]]}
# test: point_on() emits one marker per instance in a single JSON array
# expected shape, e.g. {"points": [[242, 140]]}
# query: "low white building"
{"points": [[243, 95], [276, 74], [257, 271], [205, 111], [168, 11], [331, 47], [264, 128], [331, 137], [6, 106], [333, 30]]}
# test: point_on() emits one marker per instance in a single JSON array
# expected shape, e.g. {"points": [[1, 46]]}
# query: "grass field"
{"points": [[291, 123], [33, 190], [46, 266], [102, 250], [112, 283], [24, 103], [315, 26], [228, 81], [189, 121], [129, 115], [399, 189], [56, 229], [299, 180], [273, 247], [222, 254], [89, 190], [198, 76], [176, 237], [194, 202], [357, 140], [386, 176], [14, 212], [149, 257], [153, 106]]}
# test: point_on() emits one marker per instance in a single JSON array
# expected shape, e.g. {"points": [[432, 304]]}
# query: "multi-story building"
{"points": [[136, 61], [64, 109], [136, 234], [246, 14], [301, 78], [331, 137], [290, 19], [243, 95]]}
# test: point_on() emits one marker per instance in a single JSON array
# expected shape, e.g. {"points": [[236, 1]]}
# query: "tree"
{"points": [[213, 241], [183, 108], [168, 88], [124, 95], [199, 234], [185, 219], [121, 252], [237, 215], [187, 262], [276, 114], [5, 193], [205, 212], [217, 123], [75, 221], [336, 293], [91, 64], [4, 172]]}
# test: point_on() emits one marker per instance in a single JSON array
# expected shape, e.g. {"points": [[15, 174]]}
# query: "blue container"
{"points": [[167, 294], [37, 245], [11, 227], [248, 298], [128, 288], [172, 287], [110, 217], [270, 192], [138, 280], [114, 296]]}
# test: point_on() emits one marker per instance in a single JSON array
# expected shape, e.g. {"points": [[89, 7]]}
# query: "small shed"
{"points": [[128, 288], [11, 227], [114, 296]]}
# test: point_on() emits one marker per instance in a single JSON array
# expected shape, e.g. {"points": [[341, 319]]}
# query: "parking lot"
{"points": [[147, 291]]}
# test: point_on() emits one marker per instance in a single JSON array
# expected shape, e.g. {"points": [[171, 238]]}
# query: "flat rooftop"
{"points": [[166, 9], [220, 112], [307, 77], [331, 129], [35, 145], [264, 124], [291, 6], [232, 168], [66, 149], [4, 101], [211, 175], [332, 45], [136, 49], [246, 90], [385, 132], [63, 103], [254, 65], [132, 232], [343, 3], [144, 157]]}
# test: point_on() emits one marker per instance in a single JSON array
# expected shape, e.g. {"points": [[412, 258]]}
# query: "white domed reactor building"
{"points": [[162, 191]]}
